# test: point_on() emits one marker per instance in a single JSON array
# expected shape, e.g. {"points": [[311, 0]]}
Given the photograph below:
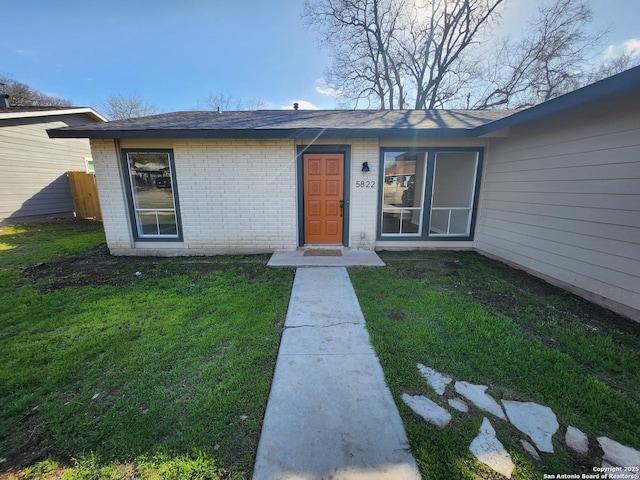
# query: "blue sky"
{"points": [[175, 53]]}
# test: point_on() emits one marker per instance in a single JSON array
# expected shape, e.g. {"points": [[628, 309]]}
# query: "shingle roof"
{"points": [[291, 123], [35, 109]]}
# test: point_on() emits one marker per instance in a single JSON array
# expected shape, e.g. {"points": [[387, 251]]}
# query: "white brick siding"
{"points": [[115, 216], [235, 196], [240, 196], [364, 198]]}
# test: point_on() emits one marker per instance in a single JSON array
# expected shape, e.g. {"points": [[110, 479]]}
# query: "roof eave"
{"points": [[51, 113], [70, 132]]}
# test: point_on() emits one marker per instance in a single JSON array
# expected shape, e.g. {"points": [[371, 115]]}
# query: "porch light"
{"points": [[365, 166]]}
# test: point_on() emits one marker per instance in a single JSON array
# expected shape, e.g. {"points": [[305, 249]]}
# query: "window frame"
{"points": [[128, 186], [425, 235]]}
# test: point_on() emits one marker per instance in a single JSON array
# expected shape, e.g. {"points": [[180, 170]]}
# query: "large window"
{"points": [[428, 193], [454, 182], [403, 193], [152, 193]]}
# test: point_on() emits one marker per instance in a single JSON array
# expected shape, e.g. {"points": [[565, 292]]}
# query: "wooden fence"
{"points": [[84, 191]]}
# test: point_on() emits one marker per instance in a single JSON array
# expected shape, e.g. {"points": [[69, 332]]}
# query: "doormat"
{"points": [[322, 253]]}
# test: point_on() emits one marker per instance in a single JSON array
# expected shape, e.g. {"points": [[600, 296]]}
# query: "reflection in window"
{"points": [[453, 191], [403, 193], [152, 188]]}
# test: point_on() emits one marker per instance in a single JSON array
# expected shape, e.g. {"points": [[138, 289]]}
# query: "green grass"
{"points": [[483, 322], [105, 374], [109, 375]]}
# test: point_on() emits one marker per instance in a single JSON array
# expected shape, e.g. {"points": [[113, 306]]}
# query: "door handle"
{"points": [[341, 206]]}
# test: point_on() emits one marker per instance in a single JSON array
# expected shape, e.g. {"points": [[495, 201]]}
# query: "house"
{"points": [[34, 166], [554, 189]]}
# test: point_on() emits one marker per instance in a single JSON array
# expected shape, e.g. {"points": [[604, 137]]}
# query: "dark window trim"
{"points": [[346, 151], [130, 204], [426, 213]]}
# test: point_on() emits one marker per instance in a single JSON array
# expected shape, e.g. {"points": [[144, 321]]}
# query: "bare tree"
{"points": [[120, 107], [434, 52], [394, 53], [554, 56], [226, 101], [612, 66], [22, 95]]}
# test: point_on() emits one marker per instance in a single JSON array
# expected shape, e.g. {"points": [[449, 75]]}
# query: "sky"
{"points": [[175, 53]]}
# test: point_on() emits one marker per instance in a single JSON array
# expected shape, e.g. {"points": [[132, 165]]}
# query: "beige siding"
{"points": [[34, 166], [562, 199]]}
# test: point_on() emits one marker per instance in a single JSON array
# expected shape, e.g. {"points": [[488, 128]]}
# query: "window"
{"points": [[88, 165], [428, 193], [403, 193], [153, 197], [454, 181]]}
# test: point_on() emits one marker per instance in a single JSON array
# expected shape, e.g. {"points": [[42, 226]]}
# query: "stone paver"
{"points": [[488, 450], [536, 421], [576, 440], [427, 409], [458, 404], [436, 380], [476, 395], [530, 449], [619, 455]]}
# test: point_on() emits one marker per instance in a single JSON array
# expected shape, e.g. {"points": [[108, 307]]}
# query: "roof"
{"points": [[351, 123], [291, 124], [26, 112]]}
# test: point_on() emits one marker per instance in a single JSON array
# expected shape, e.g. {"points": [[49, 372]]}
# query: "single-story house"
{"points": [[554, 189], [34, 166]]}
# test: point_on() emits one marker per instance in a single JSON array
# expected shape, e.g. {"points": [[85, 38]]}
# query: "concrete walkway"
{"points": [[330, 414]]}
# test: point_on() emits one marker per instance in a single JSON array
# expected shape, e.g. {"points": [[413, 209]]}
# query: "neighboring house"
{"points": [[34, 166], [554, 189]]}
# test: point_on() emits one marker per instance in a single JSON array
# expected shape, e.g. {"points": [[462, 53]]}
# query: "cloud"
{"points": [[302, 105], [28, 53], [630, 47], [324, 89]]}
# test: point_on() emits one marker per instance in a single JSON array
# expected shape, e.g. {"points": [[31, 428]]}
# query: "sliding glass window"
{"points": [[454, 182], [153, 199], [428, 193], [403, 193]]}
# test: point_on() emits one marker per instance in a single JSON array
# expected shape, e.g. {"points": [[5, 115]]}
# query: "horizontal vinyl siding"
{"points": [[34, 166], [563, 200]]}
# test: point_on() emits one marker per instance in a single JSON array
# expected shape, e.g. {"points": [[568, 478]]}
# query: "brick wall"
{"points": [[236, 196], [364, 193], [112, 201]]}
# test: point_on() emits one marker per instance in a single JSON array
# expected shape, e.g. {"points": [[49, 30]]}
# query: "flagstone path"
{"points": [[537, 422]]}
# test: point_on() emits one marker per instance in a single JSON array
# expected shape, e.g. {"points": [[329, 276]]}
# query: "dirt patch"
{"points": [[396, 315], [97, 267], [35, 443], [508, 291]]}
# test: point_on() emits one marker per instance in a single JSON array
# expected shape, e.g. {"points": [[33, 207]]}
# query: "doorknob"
{"points": [[341, 206]]}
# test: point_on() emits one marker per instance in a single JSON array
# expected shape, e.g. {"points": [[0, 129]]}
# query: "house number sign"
{"points": [[365, 183]]}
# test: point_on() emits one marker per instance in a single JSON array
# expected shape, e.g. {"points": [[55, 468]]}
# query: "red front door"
{"points": [[323, 198]]}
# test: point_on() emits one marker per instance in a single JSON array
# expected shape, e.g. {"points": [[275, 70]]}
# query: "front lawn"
{"points": [[480, 321], [114, 367]]}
